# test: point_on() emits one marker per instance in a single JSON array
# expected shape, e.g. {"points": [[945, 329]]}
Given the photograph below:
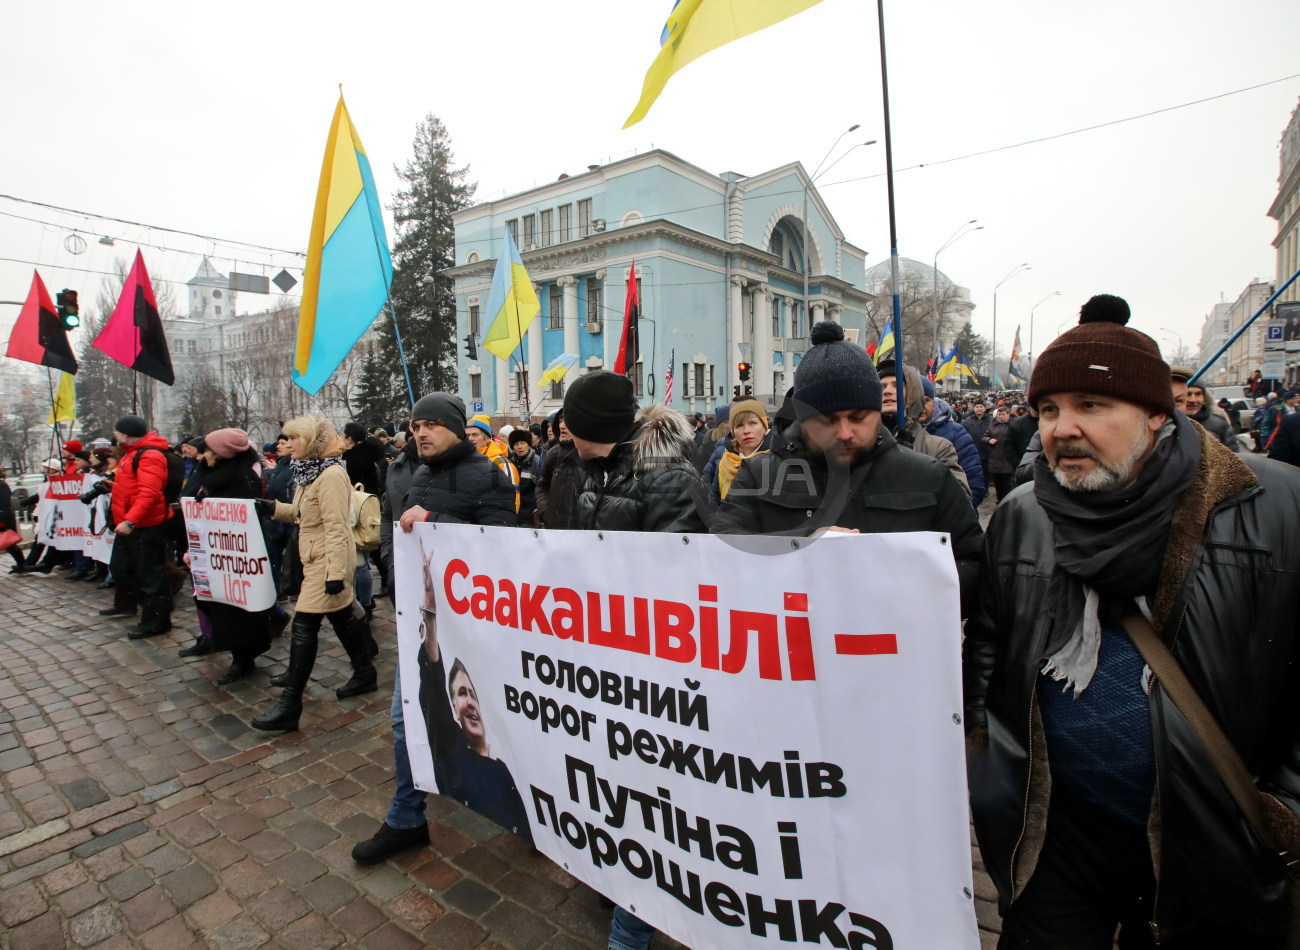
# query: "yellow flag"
{"points": [[695, 27], [64, 408]]}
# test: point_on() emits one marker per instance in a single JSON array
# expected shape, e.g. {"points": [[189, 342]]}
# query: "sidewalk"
{"points": [[139, 810]]}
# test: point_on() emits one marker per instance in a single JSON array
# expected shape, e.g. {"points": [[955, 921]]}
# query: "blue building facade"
{"points": [[721, 264]]}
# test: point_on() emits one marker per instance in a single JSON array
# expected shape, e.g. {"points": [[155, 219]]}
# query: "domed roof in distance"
{"points": [[909, 272]]}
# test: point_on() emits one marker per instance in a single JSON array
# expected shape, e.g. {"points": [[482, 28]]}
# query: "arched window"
{"points": [[787, 244]]}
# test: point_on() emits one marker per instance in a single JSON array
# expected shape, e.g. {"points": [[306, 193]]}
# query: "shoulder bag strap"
{"points": [[1225, 758]]}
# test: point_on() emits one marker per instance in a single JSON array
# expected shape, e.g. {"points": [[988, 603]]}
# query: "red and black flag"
{"points": [[39, 335], [629, 345], [133, 335]]}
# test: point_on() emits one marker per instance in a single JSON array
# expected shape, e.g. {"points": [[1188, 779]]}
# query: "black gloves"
{"points": [[265, 506], [333, 588]]}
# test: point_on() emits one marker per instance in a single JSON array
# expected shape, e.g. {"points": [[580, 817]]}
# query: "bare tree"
{"points": [[20, 429], [203, 403], [917, 305]]}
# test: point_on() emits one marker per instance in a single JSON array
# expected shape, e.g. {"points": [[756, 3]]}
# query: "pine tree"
{"points": [[422, 296], [975, 350]]}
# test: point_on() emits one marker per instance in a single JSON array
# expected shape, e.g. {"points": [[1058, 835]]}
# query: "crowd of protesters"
{"points": [[1125, 500]]}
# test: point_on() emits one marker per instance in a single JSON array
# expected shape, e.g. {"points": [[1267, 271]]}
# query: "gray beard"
{"points": [[1106, 478]]}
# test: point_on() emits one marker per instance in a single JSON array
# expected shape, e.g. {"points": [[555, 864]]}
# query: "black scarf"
{"points": [[1110, 542], [306, 471]]}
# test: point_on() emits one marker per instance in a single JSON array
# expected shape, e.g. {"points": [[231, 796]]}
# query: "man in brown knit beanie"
{"points": [[1138, 521]]}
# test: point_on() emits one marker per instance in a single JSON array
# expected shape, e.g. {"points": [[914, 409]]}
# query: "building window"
{"points": [[584, 217], [778, 245], [796, 321], [530, 230], [776, 318], [474, 321], [595, 311], [217, 309], [638, 381], [517, 388], [513, 227], [566, 223], [556, 308], [476, 386], [557, 389], [548, 237]]}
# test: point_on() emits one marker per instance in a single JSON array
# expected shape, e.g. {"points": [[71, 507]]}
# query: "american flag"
{"points": [[668, 377]]}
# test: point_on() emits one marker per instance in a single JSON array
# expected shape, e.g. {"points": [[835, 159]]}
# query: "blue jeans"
{"points": [[407, 809], [629, 932], [365, 581]]}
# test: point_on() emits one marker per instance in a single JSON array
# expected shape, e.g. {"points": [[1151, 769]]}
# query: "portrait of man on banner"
{"points": [[463, 765]]}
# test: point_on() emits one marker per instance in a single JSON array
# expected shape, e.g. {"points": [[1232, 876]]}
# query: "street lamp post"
{"points": [[957, 235], [1054, 293], [1179, 355], [1014, 271], [817, 173]]}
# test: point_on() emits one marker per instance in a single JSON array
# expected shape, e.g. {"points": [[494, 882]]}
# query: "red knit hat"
{"points": [[1103, 356], [72, 445]]}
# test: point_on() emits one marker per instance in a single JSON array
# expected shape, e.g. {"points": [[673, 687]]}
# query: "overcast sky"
{"points": [[212, 119]]}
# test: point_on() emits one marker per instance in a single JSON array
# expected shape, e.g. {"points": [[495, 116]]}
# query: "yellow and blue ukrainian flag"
{"points": [[512, 303], [349, 270], [696, 27]]}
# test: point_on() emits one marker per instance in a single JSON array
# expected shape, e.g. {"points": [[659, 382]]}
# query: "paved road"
{"points": [[140, 811]]}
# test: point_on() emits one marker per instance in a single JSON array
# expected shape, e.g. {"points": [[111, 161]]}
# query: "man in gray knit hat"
{"points": [[837, 468]]}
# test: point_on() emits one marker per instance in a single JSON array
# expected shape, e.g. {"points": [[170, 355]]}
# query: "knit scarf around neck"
{"points": [[306, 471], [1109, 549]]}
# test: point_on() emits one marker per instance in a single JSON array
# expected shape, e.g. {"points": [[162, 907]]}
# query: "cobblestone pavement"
{"points": [[139, 809]]}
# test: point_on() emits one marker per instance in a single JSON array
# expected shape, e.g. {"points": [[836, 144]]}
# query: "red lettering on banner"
{"points": [[455, 568], [865, 644], [679, 632]]}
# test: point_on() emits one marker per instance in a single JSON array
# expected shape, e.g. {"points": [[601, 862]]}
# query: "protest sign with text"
{"points": [[66, 523], [745, 742], [228, 559]]}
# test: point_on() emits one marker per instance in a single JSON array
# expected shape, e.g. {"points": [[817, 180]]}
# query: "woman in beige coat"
{"points": [[322, 509]]}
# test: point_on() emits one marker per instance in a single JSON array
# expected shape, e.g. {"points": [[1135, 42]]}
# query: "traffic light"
{"points": [[744, 371], [735, 392], [69, 310], [471, 348]]}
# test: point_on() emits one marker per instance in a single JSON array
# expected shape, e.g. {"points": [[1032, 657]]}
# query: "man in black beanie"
{"points": [[635, 474], [141, 510], [836, 467], [450, 483]]}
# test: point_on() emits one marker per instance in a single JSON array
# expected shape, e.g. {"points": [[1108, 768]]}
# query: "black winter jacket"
{"points": [[555, 488], [978, 428], [363, 462], [789, 491], [397, 482], [462, 487], [1218, 426], [1232, 627], [646, 484]]}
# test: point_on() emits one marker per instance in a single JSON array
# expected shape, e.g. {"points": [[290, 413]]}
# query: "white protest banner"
{"points": [[745, 742], [61, 517], [228, 560], [99, 530]]}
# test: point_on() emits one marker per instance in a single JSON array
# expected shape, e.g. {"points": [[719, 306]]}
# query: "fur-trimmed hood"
{"points": [[663, 437]]}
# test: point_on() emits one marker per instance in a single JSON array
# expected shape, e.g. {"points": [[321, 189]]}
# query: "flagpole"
{"points": [[401, 353], [901, 413], [523, 368], [54, 416]]}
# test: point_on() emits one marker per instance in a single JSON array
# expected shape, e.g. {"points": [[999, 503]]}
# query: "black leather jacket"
{"points": [[1233, 629]]}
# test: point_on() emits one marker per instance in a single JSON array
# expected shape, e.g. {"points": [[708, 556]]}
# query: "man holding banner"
{"points": [[839, 469], [453, 484]]}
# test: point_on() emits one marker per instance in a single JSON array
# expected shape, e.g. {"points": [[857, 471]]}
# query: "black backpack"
{"points": [[175, 472]]}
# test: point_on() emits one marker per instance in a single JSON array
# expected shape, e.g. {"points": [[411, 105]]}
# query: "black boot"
{"points": [[302, 658], [240, 667], [200, 646], [354, 633], [388, 841]]}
